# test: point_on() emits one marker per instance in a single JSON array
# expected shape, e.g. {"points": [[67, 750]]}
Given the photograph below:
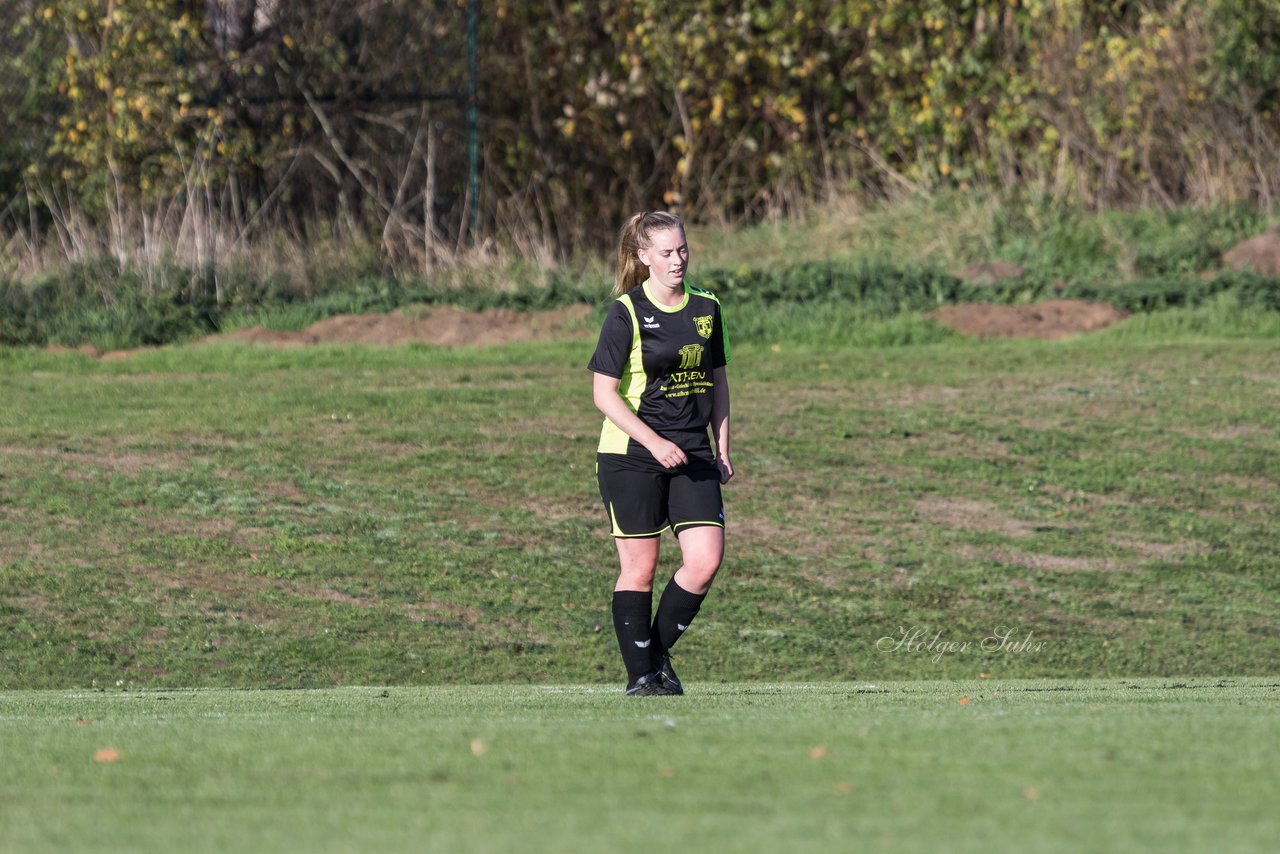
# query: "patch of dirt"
{"points": [[28, 602], [439, 325], [1257, 485], [989, 272], [1051, 319], [242, 595], [83, 465], [904, 396], [328, 594], [1227, 434], [1259, 254], [1047, 562], [1161, 551], [972, 515], [189, 524], [84, 350]]}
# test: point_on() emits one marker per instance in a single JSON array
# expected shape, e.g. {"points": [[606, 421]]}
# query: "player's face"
{"points": [[667, 258]]}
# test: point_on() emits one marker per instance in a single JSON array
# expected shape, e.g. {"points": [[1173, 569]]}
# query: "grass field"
{"points": [[234, 516], [968, 765], [932, 548]]}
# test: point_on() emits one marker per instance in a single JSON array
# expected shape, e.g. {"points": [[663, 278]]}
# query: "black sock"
{"points": [[631, 622], [676, 610]]}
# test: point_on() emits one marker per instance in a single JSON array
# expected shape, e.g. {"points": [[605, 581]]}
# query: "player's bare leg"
{"points": [[702, 549], [638, 560]]}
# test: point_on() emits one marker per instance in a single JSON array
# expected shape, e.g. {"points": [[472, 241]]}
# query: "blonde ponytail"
{"points": [[637, 233]]}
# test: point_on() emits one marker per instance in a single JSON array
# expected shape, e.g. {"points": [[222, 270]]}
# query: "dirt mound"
{"points": [[84, 350], [989, 272], [1052, 319], [1260, 254], [443, 326], [439, 325]]}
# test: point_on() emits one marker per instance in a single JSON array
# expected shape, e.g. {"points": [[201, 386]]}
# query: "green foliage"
{"points": [[1181, 241], [139, 117], [1247, 290], [99, 304], [887, 264], [723, 112], [1247, 53], [880, 289], [126, 117], [252, 116], [1223, 317]]}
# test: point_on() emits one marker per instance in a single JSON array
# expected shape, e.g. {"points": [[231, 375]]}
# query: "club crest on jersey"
{"points": [[690, 356], [703, 325]]}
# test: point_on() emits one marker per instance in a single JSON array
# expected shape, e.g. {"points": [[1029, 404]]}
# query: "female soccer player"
{"points": [[660, 381]]}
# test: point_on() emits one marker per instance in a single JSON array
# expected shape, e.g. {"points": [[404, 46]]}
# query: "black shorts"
{"points": [[643, 499]]}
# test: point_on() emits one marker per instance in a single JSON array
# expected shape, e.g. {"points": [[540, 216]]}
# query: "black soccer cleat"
{"points": [[667, 674], [648, 685]]}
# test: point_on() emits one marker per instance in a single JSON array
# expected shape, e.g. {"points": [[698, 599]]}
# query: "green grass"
{"points": [[949, 230], [227, 515], [973, 765], [1220, 317]]}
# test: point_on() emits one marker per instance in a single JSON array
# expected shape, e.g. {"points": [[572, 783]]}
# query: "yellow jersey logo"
{"points": [[703, 325]]}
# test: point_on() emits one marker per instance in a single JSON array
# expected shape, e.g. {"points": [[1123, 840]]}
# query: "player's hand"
{"points": [[668, 453], [726, 468]]}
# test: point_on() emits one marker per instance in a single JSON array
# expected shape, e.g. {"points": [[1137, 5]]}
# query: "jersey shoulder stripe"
{"points": [[630, 306], [694, 289]]}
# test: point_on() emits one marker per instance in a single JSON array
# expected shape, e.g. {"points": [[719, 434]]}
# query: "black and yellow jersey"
{"points": [[663, 357]]}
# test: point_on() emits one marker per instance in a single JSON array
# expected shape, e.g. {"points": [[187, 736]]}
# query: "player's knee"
{"points": [[703, 565], [638, 575], [638, 578]]}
